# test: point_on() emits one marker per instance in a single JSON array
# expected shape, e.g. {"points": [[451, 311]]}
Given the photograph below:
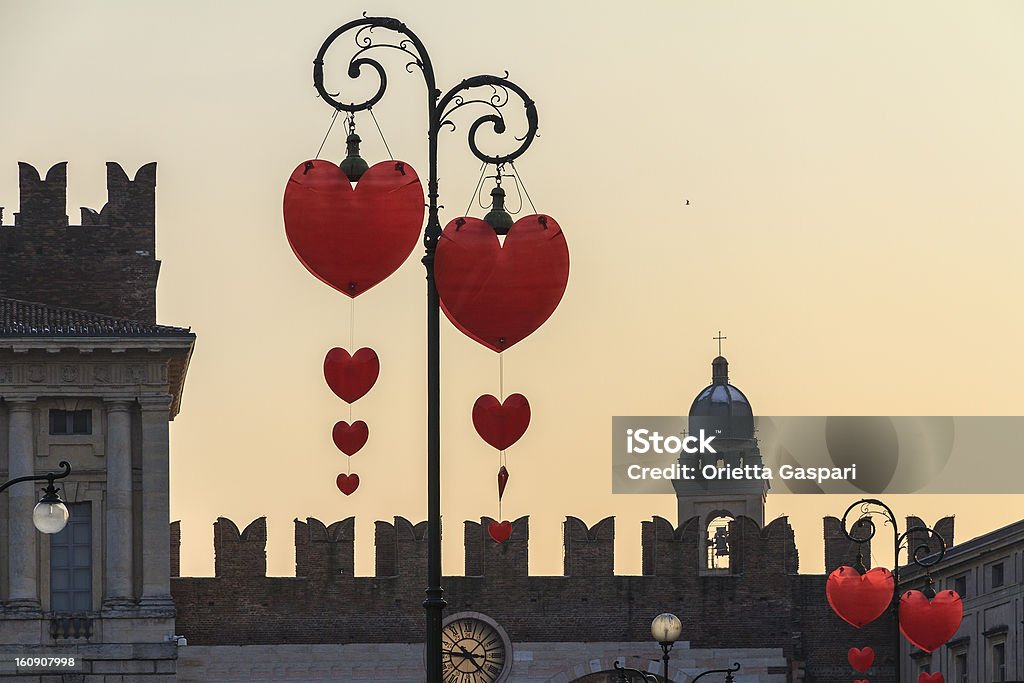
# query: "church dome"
{"points": [[721, 407]]}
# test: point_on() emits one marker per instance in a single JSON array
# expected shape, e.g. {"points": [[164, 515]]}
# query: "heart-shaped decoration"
{"points": [[350, 377], [499, 294], [349, 438], [859, 599], [353, 239], [925, 677], [861, 659], [499, 531], [348, 483], [501, 424], [502, 480], [861, 680], [930, 623]]}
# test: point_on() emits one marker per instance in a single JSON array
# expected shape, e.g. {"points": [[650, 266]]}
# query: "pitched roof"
{"points": [[28, 319]]}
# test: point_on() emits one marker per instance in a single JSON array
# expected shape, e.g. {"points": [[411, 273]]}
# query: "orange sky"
{"points": [[854, 228]]}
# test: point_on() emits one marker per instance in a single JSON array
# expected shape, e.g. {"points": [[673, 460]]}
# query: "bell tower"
{"points": [[721, 410]]}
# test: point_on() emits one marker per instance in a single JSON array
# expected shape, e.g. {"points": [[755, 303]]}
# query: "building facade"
{"points": [[87, 377]]}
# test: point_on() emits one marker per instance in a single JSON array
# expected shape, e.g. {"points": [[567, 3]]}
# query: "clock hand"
{"points": [[472, 658]]}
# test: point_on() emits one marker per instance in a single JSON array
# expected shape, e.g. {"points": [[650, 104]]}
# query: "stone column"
{"points": [[118, 565], [156, 507], [22, 546]]}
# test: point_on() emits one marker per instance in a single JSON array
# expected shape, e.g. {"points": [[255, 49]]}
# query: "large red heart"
{"points": [[925, 677], [348, 483], [499, 532], [861, 659], [930, 623], [349, 438], [859, 599], [501, 424], [499, 294], [353, 239], [350, 377]]}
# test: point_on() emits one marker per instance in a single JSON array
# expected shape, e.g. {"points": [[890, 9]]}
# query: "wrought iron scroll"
{"points": [[367, 45]]}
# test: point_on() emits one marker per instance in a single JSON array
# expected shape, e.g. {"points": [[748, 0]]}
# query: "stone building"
{"points": [[988, 573], [87, 377]]}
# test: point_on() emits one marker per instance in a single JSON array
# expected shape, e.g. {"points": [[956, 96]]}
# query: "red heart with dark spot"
{"points": [[350, 377], [930, 623], [499, 531], [348, 483], [501, 424], [495, 293], [353, 239], [859, 599], [502, 480], [861, 659], [925, 677], [349, 438]]}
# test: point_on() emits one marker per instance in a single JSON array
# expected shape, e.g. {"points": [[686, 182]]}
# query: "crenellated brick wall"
{"points": [[761, 602], [105, 265]]}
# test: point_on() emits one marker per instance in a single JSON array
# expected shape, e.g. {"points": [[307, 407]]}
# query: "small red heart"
{"points": [[348, 483], [502, 480], [499, 532], [499, 293], [353, 239], [930, 623], [350, 377], [859, 599], [349, 438], [861, 680], [501, 424], [925, 677], [861, 659]]}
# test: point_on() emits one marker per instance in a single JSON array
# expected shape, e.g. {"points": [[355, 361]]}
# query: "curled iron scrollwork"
{"points": [[864, 528], [441, 106]]}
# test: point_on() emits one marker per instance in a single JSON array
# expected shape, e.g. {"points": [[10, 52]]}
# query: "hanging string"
{"points": [[383, 139], [476, 190], [351, 346], [333, 119], [523, 185]]}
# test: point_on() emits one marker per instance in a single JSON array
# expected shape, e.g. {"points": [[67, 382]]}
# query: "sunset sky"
{"points": [[854, 172]]}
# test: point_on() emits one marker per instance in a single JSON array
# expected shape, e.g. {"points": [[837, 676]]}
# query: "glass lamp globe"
{"points": [[50, 516], [666, 628]]}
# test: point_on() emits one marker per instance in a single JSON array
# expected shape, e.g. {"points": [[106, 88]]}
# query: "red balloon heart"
{"points": [[861, 659], [859, 599], [501, 424], [930, 623], [349, 438], [353, 239], [350, 377], [502, 480], [499, 532], [348, 483], [936, 677], [499, 294]]}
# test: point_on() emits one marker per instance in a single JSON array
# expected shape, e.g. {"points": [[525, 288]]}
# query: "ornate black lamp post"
{"points": [[923, 555], [440, 107], [50, 514]]}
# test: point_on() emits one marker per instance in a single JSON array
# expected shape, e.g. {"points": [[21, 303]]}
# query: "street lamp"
{"points": [[499, 91], [666, 629], [50, 514]]}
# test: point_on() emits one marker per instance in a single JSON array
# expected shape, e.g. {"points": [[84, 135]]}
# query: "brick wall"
{"points": [[105, 265], [761, 603]]}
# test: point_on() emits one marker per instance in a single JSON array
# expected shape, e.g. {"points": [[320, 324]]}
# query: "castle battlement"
{"points": [[105, 265]]}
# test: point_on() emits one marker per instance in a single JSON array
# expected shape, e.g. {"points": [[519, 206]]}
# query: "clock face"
{"points": [[474, 649]]}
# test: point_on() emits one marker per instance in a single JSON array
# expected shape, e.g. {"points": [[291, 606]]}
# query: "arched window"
{"points": [[717, 540]]}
